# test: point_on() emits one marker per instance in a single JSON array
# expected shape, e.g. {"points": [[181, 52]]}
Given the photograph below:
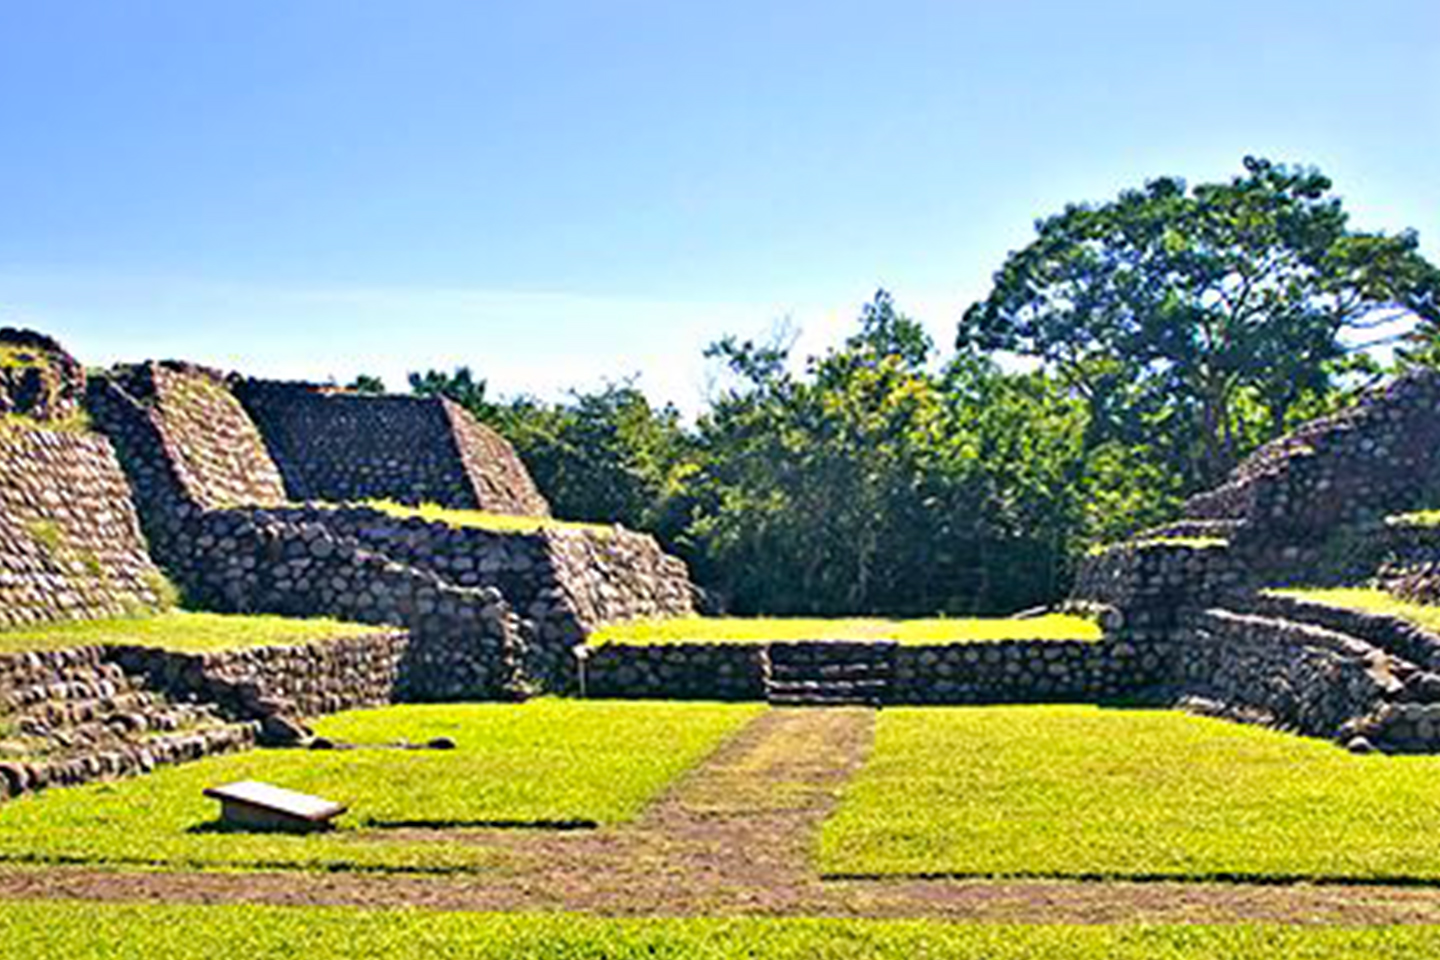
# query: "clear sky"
{"points": [[560, 192]]}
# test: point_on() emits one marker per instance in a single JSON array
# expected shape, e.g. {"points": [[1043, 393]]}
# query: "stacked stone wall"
{"points": [[70, 540], [72, 716], [341, 447], [1281, 673], [562, 582], [467, 643], [1023, 671], [1351, 469], [681, 671], [215, 453], [309, 679]]}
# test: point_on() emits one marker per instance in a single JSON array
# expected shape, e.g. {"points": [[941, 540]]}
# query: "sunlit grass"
{"points": [[1069, 791], [935, 630], [544, 762], [482, 520], [91, 931], [183, 631]]}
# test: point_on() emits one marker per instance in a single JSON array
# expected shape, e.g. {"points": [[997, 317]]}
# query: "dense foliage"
{"points": [[1172, 331]]}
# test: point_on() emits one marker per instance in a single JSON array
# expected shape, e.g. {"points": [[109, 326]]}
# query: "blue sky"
{"points": [[561, 192]]}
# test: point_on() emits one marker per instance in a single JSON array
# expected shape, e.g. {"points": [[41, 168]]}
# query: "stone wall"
{"points": [[38, 379], [71, 716], [215, 454], [70, 541], [1149, 579], [1353, 468], [563, 582], [1023, 671], [1284, 674], [681, 671], [306, 680], [343, 447], [467, 643]]}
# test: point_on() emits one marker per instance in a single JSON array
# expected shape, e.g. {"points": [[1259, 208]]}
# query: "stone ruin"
{"points": [[1309, 509], [239, 492], [242, 493]]}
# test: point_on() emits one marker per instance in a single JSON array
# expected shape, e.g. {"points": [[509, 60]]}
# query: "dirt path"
{"points": [[733, 837]]}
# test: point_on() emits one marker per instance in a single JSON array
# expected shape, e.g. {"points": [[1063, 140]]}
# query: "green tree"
{"points": [[1173, 312]]}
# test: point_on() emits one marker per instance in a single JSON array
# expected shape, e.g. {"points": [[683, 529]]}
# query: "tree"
{"points": [[368, 384], [461, 386], [1180, 314]]}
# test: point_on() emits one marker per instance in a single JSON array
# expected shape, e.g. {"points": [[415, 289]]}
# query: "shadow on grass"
{"points": [[1218, 878], [559, 825]]}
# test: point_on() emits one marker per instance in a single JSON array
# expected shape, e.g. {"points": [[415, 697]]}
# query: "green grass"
{"points": [[1367, 600], [481, 520], [91, 931], [937, 630], [1420, 518], [1086, 792], [182, 630], [547, 761], [19, 358]]}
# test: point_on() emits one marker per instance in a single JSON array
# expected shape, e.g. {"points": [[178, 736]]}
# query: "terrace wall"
{"points": [[1354, 468], [341, 447], [70, 541]]}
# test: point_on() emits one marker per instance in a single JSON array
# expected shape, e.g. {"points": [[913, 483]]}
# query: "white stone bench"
{"points": [[261, 806]]}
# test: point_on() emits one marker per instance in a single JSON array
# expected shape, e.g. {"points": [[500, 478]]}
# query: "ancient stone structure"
{"points": [[38, 379], [75, 715], [70, 542], [1308, 506], [343, 447], [482, 614]]}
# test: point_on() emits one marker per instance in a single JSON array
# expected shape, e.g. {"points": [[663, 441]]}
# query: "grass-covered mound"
{"points": [[1367, 600], [88, 931], [1086, 792], [544, 762], [481, 520], [938, 630], [182, 630]]}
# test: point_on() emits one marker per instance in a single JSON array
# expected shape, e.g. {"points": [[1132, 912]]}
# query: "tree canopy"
{"points": [[1206, 315]]}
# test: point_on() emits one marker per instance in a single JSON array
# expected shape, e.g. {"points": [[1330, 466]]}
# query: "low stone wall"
{"points": [[467, 643], [1395, 636], [309, 679], [70, 541], [1022, 671], [688, 671], [1284, 674], [72, 716]]}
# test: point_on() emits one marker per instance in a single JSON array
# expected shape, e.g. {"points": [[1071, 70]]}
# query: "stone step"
{"points": [[828, 686], [21, 698], [822, 700], [831, 671], [72, 712], [1219, 529]]}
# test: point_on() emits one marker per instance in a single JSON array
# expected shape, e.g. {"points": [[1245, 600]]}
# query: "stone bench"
{"points": [[253, 805]]}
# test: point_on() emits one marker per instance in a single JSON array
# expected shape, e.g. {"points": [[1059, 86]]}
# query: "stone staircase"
{"points": [[828, 673], [1368, 681], [73, 715]]}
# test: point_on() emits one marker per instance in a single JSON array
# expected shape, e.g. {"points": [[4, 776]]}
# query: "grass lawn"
{"points": [[481, 520], [85, 931], [938, 630], [1085, 792], [181, 630], [544, 761], [1368, 600]]}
